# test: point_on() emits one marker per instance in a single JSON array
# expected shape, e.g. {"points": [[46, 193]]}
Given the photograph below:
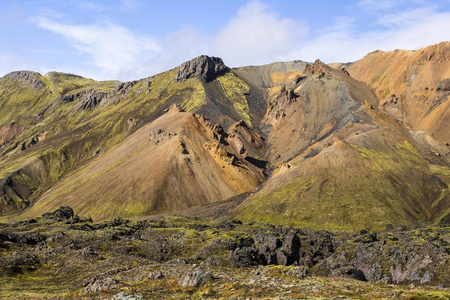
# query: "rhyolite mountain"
{"points": [[340, 146]]}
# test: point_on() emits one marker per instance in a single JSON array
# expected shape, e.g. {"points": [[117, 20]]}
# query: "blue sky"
{"points": [[132, 39]]}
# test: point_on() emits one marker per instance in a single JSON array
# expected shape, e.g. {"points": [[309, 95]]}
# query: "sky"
{"points": [[133, 39]]}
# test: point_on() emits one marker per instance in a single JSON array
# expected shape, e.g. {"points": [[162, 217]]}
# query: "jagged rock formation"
{"points": [[205, 67], [28, 77]]}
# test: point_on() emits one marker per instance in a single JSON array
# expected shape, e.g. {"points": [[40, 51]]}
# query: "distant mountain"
{"points": [[359, 145]]}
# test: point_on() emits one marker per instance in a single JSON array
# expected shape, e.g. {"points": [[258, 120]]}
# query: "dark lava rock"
{"points": [[19, 238], [62, 213], [244, 257], [268, 245], [205, 67], [289, 253], [21, 263], [357, 274]]}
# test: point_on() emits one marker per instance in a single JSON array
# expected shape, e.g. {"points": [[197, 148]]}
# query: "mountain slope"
{"points": [[307, 144], [86, 123], [342, 163], [413, 86], [177, 161]]}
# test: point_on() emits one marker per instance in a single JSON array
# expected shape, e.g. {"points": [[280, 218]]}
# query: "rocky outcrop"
{"points": [[204, 67], [444, 85], [267, 249], [392, 106], [33, 140], [27, 77], [87, 100], [188, 253], [62, 213], [195, 278]]}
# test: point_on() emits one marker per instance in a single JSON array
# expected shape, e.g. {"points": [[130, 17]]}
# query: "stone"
{"points": [[100, 285], [298, 271], [195, 278], [64, 212], [124, 296], [244, 257], [204, 67], [28, 77], [155, 275]]}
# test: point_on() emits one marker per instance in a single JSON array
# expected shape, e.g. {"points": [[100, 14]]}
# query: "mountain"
{"points": [[359, 145]]}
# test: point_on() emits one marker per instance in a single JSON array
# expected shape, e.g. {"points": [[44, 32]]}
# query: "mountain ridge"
{"points": [[266, 128]]}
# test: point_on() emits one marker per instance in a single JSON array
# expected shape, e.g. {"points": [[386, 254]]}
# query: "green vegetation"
{"points": [[62, 83], [76, 133], [80, 259], [235, 90], [378, 190]]}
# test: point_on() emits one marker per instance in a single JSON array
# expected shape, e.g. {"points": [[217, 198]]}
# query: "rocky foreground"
{"points": [[60, 255]]}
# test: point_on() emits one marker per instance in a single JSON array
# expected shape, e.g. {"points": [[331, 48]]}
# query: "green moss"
{"points": [[62, 83], [379, 189], [392, 161], [235, 90], [277, 207]]}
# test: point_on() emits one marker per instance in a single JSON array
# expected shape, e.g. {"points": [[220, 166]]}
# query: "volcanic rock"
{"points": [[204, 67]]}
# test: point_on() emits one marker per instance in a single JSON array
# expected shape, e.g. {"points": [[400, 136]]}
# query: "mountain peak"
{"points": [[203, 66], [29, 77]]}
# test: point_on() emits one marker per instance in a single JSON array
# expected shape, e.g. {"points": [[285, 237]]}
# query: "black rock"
{"points": [[205, 67], [64, 212], [244, 257], [357, 274]]}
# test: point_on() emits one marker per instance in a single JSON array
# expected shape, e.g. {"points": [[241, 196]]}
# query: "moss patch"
{"points": [[235, 90]]}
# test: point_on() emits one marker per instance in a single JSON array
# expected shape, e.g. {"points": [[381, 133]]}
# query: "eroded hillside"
{"points": [[303, 144]]}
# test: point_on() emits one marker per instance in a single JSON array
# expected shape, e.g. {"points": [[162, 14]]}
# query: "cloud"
{"points": [[411, 28], [112, 48], [257, 35]]}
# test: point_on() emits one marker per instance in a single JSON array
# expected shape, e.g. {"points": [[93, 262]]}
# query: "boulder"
{"points": [[62, 213], [244, 257], [195, 277]]}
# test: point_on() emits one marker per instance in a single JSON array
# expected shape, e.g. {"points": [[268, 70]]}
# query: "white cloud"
{"points": [[409, 29], [257, 35], [113, 49]]}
